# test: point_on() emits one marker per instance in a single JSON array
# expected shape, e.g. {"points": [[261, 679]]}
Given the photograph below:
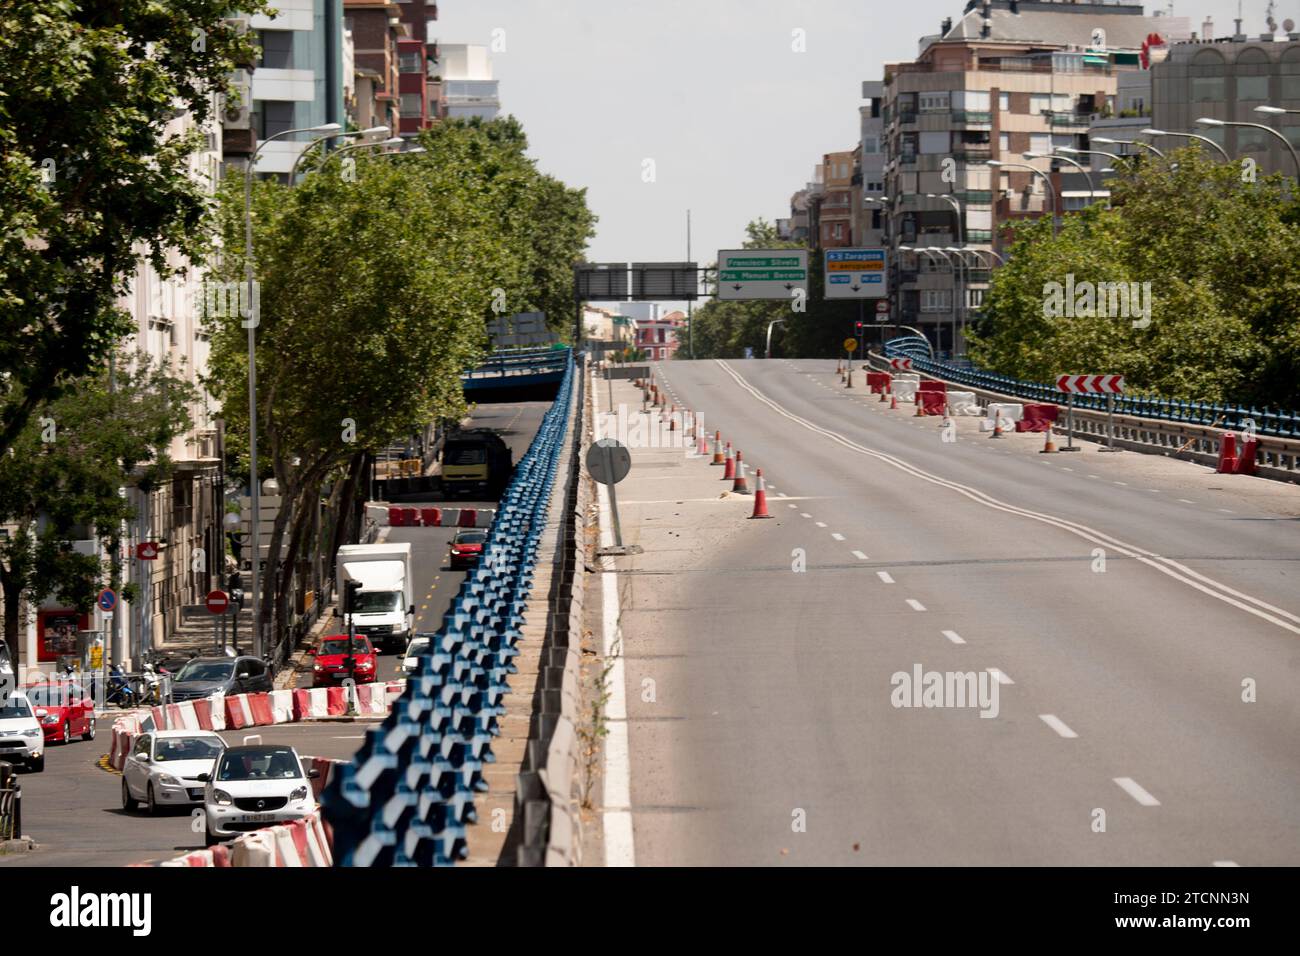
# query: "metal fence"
{"points": [[406, 796], [1276, 422]]}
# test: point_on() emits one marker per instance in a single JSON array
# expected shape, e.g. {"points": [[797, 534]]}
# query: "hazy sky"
{"points": [[711, 91]]}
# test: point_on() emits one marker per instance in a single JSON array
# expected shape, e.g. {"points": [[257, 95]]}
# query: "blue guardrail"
{"points": [[1279, 422], [407, 794]]}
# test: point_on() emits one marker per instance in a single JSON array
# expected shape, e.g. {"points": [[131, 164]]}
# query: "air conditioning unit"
{"points": [[237, 113]]}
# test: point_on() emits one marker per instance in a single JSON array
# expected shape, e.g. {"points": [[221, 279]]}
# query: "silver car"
{"points": [[164, 768]]}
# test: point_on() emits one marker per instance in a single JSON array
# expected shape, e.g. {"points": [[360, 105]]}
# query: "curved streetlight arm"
{"points": [[1295, 157], [1196, 136], [1092, 186], [770, 325]]}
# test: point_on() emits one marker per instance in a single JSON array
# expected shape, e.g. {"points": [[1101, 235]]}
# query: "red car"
{"points": [[331, 665], [467, 548], [64, 709]]}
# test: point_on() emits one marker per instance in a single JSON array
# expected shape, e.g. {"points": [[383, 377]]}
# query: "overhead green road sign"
{"points": [[749, 274]]}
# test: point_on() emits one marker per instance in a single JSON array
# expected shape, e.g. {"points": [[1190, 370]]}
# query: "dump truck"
{"points": [[475, 462]]}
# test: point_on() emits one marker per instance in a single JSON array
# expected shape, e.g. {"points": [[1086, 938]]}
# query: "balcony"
{"points": [[971, 118], [973, 153]]}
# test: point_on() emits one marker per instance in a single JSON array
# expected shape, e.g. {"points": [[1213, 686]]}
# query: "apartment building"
{"points": [[656, 334], [1228, 79], [831, 209], [422, 17], [869, 220], [377, 29], [1009, 77], [467, 84], [296, 82]]}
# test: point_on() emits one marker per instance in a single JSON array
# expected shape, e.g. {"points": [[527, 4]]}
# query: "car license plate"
{"points": [[258, 817]]}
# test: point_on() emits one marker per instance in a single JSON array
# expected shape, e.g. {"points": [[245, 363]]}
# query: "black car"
{"points": [[205, 676]]}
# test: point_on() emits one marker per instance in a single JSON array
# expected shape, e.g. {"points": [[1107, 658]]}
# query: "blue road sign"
{"points": [[107, 600]]}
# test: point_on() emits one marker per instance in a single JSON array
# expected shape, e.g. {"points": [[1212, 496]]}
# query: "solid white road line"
{"points": [[1134, 790], [1225, 863], [884, 576], [915, 605], [1057, 724], [1000, 676], [859, 555], [1166, 566], [954, 637], [619, 846]]}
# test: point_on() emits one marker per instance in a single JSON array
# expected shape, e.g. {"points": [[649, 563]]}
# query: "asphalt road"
{"points": [[436, 581], [73, 809], [1121, 735]]}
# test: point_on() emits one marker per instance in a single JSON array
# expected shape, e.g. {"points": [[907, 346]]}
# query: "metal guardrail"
{"points": [[521, 362], [1279, 423], [405, 797], [1278, 458]]}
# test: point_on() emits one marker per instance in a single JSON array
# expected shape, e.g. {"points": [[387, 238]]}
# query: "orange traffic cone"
{"points": [[893, 401], [717, 448], [741, 487], [760, 497], [997, 427], [1049, 446], [729, 472], [947, 417], [920, 406], [884, 393], [701, 443], [672, 419]]}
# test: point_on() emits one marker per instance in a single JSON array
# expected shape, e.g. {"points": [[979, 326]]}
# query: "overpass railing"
{"points": [[1279, 423], [407, 795]]}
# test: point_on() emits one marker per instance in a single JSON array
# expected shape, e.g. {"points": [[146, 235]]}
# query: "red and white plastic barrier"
{"points": [[441, 517]]}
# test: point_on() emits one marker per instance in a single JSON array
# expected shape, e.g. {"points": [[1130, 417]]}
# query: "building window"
{"points": [[412, 105], [1040, 103], [935, 102], [277, 49], [409, 62], [1004, 142], [1208, 89], [1253, 89], [1004, 102], [839, 230], [936, 300]]}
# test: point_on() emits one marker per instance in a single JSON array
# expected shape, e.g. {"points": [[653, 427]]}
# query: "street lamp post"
{"points": [[1270, 111], [1196, 136], [1092, 186], [959, 292], [774, 322], [1051, 190], [1107, 141], [251, 320], [365, 134], [952, 266]]}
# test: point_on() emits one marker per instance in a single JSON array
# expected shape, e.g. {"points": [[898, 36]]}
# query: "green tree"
{"points": [[374, 291], [90, 176], [60, 482], [1222, 256]]}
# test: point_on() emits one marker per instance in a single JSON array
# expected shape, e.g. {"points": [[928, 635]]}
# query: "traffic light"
{"points": [[350, 589], [859, 326]]}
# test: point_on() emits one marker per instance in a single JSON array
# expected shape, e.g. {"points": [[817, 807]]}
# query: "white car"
{"points": [[417, 646], [21, 739], [164, 768], [254, 786]]}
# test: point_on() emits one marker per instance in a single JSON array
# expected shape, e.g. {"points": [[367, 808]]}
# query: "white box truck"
{"points": [[385, 604]]}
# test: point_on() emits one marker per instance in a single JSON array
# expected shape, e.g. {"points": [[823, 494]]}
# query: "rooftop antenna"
{"points": [[1240, 19]]}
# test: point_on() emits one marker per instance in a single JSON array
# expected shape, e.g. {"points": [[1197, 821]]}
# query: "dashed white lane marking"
{"points": [[1154, 491], [1134, 790], [1000, 676], [1225, 863], [804, 514], [795, 507], [820, 524], [859, 555], [1057, 724], [837, 537], [915, 605], [954, 637], [1094, 476], [1227, 512], [1064, 468], [1122, 484], [1187, 501], [884, 576]]}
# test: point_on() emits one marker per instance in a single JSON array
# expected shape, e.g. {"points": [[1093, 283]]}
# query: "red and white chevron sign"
{"points": [[901, 365], [1091, 384]]}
